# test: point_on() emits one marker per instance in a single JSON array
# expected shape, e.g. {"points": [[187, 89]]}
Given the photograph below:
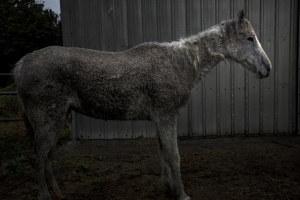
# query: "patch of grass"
{"points": [[16, 165], [14, 148], [82, 167], [11, 148], [13, 140], [14, 130], [103, 181], [64, 135], [9, 104], [140, 137]]}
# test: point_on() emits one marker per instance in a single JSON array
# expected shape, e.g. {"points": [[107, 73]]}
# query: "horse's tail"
{"points": [[17, 71], [18, 67], [29, 128]]}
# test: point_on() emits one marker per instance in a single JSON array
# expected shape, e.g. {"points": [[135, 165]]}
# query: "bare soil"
{"points": [[223, 168]]}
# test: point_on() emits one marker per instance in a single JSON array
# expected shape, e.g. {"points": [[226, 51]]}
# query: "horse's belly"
{"points": [[115, 107]]}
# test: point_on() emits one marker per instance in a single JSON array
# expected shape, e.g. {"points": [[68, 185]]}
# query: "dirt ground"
{"points": [[224, 168]]}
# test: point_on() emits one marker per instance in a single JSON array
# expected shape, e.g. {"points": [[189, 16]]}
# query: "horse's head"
{"points": [[242, 45]]}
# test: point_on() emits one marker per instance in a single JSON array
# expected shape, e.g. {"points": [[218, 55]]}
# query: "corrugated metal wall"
{"points": [[230, 100]]}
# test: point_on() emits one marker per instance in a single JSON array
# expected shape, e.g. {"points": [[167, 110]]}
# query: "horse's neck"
{"points": [[204, 51]]}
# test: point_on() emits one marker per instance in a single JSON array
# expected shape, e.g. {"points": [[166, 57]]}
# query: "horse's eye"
{"points": [[251, 39]]}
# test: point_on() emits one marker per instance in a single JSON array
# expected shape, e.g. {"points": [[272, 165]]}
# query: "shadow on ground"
{"points": [[224, 168]]}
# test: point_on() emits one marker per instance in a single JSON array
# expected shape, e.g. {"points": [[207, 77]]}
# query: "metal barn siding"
{"points": [[298, 74], [230, 100]]}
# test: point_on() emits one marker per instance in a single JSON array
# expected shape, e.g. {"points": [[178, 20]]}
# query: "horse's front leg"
{"points": [[169, 156]]}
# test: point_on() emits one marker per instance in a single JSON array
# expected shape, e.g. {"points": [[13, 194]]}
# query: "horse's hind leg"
{"points": [[47, 126], [50, 178], [37, 158]]}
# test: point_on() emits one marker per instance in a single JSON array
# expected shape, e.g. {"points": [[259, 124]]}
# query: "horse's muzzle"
{"points": [[265, 70]]}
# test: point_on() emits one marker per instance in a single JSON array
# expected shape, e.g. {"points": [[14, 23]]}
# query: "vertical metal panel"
{"points": [[111, 129], [66, 27], [164, 17], [182, 122], [121, 43], [92, 17], [268, 41], [239, 84], [276, 71], [246, 131], [179, 31], [73, 126], [149, 21], [164, 34], [203, 82], [195, 111], [121, 26], [254, 16], [218, 93], [196, 104], [293, 57], [232, 117], [151, 130], [283, 60], [298, 67], [78, 39], [97, 128], [209, 19], [107, 25], [194, 16], [135, 22], [126, 129], [93, 41], [108, 44], [83, 128], [150, 33], [224, 79], [260, 81], [135, 29], [298, 70], [178, 19], [77, 23], [229, 100]]}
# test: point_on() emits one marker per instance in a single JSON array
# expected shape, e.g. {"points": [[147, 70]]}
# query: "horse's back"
{"points": [[107, 85], [104, 85]]}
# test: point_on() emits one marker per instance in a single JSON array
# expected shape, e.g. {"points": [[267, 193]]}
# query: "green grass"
{"points": [[16, 165], [14, 148], [81, 167], [64, 135], [9, 104]]}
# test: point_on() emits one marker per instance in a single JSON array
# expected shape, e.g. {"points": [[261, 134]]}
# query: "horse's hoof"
{"points": [[185, 197]]}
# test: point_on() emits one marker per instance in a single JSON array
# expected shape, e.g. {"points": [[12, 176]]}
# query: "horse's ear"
{"points": [[241, 16]]}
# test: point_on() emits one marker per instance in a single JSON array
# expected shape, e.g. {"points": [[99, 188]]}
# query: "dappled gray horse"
{"points": [[151, 81]]}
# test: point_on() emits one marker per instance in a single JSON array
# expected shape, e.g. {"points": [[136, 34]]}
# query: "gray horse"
{"points": [[151, 81]]}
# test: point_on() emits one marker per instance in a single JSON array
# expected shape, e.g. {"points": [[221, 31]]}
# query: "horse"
{"points": [[151, 81]]}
